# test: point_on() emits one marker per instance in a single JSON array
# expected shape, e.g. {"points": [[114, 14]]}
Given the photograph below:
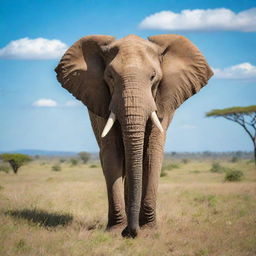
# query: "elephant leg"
{"points": [[112, 165], [152, 163], [112, 161]]}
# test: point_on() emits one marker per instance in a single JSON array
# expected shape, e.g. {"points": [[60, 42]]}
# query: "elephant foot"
{"points": [[129, 233], [116, 226], [116, 221], [147, 215], [148, 222], [148, 225]]}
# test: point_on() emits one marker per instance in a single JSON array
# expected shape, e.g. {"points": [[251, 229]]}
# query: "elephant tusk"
{"points": [[109, 124], [156, 121]]}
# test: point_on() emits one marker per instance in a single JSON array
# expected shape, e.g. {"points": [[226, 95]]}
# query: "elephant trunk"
{"points": [[133, 134], [133, 113]]}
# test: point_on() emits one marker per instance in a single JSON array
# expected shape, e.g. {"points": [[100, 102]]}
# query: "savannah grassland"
{"points": [[55, 213]]}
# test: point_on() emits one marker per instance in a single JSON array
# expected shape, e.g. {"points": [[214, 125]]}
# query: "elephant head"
{"points": [[133, 80]]}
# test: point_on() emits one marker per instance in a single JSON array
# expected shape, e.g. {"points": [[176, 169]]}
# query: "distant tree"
{"points": [[244, 116], [85, 156], [73, 161], [15, 160]]}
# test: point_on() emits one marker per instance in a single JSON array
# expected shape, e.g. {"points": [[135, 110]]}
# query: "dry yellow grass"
{"points": [[43, 212]]}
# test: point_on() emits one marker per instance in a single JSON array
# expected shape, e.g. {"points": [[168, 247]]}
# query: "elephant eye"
{"points": [[110, 77], [153, 76]]}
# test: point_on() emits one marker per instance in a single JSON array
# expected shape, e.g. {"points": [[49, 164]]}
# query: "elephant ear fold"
{"points": [[81, 72], [185, 71]]}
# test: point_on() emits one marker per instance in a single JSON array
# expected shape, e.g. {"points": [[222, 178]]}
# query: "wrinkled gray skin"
{"points": [[132, 77]]}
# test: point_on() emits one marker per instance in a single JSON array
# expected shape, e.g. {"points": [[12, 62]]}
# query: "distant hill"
{"points": [[50, 153], [34, 152]]}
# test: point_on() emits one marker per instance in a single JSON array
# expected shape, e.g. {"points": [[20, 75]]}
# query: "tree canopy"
{"points": [[233, 110], [85, 156], [244, 116], [15, 160]]}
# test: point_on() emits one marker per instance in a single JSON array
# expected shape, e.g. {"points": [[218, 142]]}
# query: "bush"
{"points": [[163, 173], [93, 166], [216, 167], [234, 175], [185, 161], [73, 161], [56, 168], [234, 159], [4, 168], [62, 160]]}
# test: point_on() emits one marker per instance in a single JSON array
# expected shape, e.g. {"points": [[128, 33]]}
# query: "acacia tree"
{"points": [[15, 160], [244, 116], [85, 156]]}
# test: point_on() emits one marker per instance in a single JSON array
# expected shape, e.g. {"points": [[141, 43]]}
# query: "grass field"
{"points": [[59, 213]]}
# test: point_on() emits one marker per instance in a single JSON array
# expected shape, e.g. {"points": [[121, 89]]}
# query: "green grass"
{"points": [[64, 213]]}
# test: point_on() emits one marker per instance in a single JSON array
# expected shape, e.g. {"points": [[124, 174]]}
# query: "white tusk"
{"points": [[156, 121], [109, 124]]}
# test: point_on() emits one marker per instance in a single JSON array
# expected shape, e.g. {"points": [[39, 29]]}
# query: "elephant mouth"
{"points": [[112, 118]]}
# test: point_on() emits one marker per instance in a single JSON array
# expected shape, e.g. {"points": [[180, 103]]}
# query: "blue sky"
{"points": [[58, 122]]}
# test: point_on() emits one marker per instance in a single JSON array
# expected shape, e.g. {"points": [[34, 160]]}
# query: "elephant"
{"points": [[132, 87]]}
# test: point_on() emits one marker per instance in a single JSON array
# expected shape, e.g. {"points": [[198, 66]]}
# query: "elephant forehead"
{"points": [[135, 45], [132, 51]]}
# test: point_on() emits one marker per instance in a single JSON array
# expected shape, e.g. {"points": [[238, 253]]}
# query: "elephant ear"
{"points": [[81, 72], [185, 71]]}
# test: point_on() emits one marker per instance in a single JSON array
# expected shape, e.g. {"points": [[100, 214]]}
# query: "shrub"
{"points": [[93, 166], [216, 167], [4, 168], [73, 161], [56, 168], [234, 159], [62, 160], [185, 161], [234, 175], [163, 173]]}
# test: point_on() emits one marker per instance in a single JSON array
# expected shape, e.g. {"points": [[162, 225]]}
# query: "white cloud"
{"points": [[202, 20], [45, 103], [241, 71], [73, 103], [39, 48]]}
